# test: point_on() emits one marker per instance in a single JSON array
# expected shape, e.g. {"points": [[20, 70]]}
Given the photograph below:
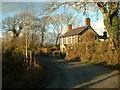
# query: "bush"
{"points": [[12, 67], [16, 74], [98, 52], [34, 77]]}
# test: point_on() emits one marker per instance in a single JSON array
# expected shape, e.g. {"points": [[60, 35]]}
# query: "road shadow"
{"points": [[95, 82], [82, 72]]}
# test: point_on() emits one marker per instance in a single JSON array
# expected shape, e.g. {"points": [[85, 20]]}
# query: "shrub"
{"points": [[12, 67], [16, 74], [34, 77], [98, 52]]}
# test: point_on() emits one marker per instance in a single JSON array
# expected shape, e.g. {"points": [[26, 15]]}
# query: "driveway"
{"points": [[68, 74]]}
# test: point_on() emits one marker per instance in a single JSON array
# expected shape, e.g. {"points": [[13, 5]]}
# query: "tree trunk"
{"points": [[112, 28], [42, 38], [111, 24], [56, 42], [111, 21]]}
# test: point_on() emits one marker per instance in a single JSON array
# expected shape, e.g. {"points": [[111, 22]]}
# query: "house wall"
{"points": [[79, 38], [67, 40], [76, 38], [89, 35], [63, 41]]}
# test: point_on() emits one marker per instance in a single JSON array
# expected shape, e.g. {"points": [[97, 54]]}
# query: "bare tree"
{"points": [[109, 11], [57, 27], [10, 25], [59, 23], [17, 23], [41, 29]]}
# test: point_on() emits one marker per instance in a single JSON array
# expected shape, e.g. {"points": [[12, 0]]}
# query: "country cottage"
{"points": [[80, 34]]}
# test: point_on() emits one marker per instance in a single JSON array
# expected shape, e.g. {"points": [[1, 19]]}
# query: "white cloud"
{"points": [[98, 26]]}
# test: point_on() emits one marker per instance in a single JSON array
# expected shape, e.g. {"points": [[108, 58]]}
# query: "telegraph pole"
{"points": [[26, 49]]}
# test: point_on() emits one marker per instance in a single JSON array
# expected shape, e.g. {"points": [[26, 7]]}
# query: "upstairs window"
{"points": [[69, 40], [73, 39]]}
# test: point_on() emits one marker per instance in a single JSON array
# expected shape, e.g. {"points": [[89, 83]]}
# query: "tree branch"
{"points": [[102, 8]]}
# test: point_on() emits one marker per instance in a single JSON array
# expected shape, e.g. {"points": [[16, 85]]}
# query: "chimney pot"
{"points": [[69, 27], [87, 21]]}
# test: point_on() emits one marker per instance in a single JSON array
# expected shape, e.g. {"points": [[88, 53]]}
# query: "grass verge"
{"points": [[115, 67]]}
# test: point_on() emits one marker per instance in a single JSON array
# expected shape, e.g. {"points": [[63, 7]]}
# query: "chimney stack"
{"points": [[105, 34], [69, 27], [87, 21]]}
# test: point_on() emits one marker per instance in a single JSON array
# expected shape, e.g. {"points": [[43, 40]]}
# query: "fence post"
{"points": [[30, 58], [34, 61]]}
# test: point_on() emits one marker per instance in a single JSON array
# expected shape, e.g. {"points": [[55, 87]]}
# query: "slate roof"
{"points": [[78, 31]]}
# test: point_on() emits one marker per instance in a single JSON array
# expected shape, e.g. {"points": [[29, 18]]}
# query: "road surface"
{"points": [[68, 74]]}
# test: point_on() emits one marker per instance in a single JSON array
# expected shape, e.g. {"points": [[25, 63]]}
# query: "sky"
{"points": [[59, 0], [12, 8]]}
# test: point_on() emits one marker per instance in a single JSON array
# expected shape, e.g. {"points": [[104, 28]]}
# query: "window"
{"points": [[73, 39], [95, 37], [64, 40], [69, 40]]}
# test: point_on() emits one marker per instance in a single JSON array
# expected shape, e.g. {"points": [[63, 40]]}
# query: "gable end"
{"points": [[87, 28]]}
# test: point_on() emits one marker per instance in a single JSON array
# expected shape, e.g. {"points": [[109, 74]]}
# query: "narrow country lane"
{"points": [[67, 74]]}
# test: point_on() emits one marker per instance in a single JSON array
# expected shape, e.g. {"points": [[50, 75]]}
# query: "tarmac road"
{"points": [[68, 74]]}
